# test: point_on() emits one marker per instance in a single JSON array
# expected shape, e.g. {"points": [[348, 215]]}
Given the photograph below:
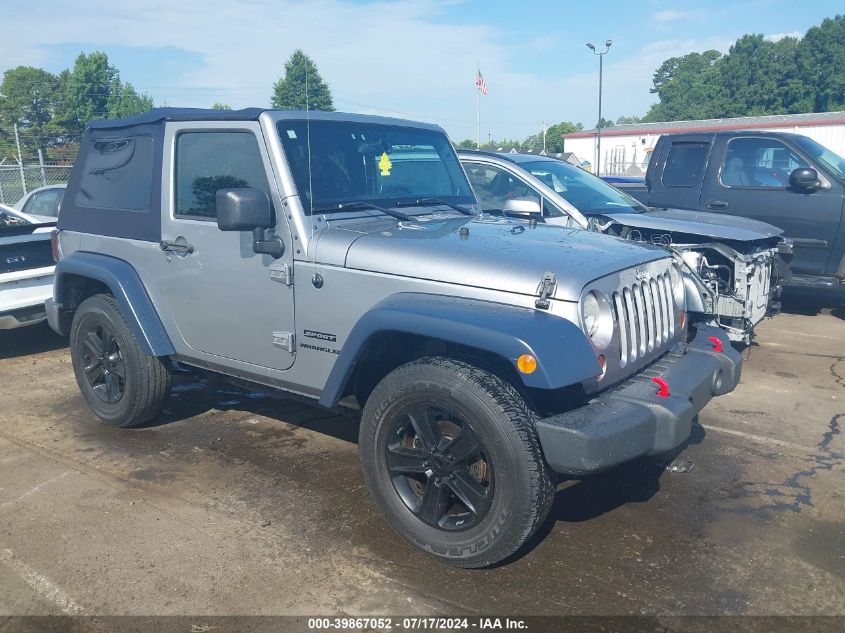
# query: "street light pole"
{"points": [[601, 55]]}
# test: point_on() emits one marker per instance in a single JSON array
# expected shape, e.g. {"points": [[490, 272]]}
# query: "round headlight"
{"points": [[597, 319], [678, 290]]}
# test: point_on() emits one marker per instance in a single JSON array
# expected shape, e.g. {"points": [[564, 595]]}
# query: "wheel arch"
{"points": [[82, 274], [406, 326]]}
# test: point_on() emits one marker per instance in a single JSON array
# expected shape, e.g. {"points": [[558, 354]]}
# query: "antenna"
{"points": [[308, 144]]}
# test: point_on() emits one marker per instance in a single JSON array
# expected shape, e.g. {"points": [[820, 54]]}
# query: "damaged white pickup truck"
{"points": [[734, 265]]}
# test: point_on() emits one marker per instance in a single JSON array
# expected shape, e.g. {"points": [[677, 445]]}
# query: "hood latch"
{"points": [[546, 289]]}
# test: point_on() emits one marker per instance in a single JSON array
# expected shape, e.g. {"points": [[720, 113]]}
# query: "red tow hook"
{"points": [[717, 344], [663, 392]]}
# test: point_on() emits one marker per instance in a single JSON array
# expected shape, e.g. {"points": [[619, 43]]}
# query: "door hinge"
{"points": [[546, 288], [283, 274], [285, 340]]}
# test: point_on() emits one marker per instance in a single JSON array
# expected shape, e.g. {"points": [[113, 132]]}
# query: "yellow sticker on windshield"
{"points": [[384, 164]]}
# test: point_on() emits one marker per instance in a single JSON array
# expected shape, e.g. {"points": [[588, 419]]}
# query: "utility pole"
{"points": [[478, 105], [20, 160], [489, 137], [601, 55]]}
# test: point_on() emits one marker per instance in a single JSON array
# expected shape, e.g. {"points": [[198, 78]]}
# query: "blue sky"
{"points": [[411, 58]]}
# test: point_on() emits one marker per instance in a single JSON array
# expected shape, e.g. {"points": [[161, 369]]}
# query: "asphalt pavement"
{"points": [[237, 503]]}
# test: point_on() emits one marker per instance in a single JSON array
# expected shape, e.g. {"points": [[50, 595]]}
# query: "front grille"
{"points": [[645, 314]]}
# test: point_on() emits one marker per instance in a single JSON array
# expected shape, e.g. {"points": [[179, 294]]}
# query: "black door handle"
{"points": [[178, 246], [716, 204]]}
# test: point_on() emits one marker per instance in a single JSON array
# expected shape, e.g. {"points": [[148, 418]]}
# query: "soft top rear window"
{"points": [[117, 173]]}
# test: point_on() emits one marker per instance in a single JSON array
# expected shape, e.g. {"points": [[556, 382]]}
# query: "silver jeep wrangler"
{"points": [[341, 258]]}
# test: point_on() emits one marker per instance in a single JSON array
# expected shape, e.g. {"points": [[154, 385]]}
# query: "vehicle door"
{"points": [[749, 177], [680, 172], [226, 302]]}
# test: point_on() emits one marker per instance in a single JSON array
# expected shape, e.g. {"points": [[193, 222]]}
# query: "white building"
{"points": [[626, 149]]}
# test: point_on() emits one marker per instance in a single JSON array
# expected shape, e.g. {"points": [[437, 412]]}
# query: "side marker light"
{"points": [[527, 364]]}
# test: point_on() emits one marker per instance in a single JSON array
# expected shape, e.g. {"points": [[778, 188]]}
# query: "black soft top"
{"points": [[157, 115]]}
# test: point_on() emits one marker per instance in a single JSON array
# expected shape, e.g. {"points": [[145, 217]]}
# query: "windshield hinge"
{"points": [[285, 340], [546, 288], [282, 274]]}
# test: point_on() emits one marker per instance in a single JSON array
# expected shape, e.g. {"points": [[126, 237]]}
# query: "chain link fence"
{"points": [[16, 180]]}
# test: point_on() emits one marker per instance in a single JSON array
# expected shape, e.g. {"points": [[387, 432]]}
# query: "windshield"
{"points": [[833, 161], [368, 162], [587, 193]]}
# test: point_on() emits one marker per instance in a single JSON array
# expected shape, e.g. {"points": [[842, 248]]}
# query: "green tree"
{"points": [[554, 137], [29, 98], [689, 87], [628, 120], [756, 77], [93, 90], [289, 92], [220, 106], [467, 143], [125, 101], [821, 65]]}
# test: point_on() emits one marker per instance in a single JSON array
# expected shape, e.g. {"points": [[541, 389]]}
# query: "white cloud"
{"points": [[673, 15], [382, 57], [777, 37]]}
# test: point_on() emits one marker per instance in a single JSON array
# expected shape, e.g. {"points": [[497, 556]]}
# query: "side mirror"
{"points": [[248, 209], [804, 179], [522, 206], [243, 209]]}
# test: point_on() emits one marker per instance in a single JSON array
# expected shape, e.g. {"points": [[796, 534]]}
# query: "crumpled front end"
{"points": [[737, 287], [732, 283]]}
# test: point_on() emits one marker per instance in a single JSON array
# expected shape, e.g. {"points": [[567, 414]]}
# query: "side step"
{"points": [[811, 281]]}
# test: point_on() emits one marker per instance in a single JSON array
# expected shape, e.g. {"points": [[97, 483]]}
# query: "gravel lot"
{"points": [[242, 504]]}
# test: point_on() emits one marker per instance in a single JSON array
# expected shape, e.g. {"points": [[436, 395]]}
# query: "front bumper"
{"points": [[632, 420]]}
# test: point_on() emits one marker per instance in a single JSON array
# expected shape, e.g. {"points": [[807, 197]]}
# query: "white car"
{"points": [[44, 201], [26, 267]]}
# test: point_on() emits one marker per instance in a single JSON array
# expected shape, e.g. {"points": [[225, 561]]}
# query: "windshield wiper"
{"points": [[363, 205], [425, 202]]}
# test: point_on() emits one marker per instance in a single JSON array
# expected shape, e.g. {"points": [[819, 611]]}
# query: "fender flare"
{"points": [[126, 286], [564, 355]]}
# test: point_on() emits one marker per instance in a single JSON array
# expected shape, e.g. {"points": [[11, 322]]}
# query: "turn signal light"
{"points": [[527, 364], [682, 319]]}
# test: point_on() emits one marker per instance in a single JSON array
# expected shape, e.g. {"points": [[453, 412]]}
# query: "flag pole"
{"points": [[478, 107]]}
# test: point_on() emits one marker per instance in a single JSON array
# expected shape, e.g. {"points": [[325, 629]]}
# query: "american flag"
{"points": [[479, 83]]}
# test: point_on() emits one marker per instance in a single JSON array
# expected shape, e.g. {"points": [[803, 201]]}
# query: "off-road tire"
{"points": [[147, 379], [524, 486]]}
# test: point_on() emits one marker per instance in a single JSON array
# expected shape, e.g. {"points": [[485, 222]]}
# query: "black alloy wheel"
{"points": [[123, 385], [103, 362], [439, 467]]}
